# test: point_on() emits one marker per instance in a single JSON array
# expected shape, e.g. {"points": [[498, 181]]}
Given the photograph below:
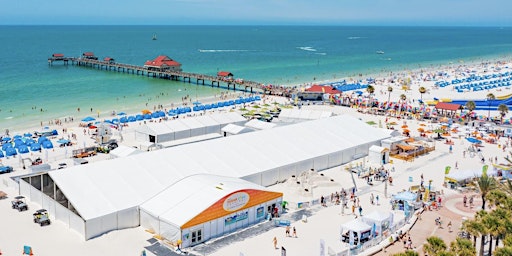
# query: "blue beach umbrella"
{"points": [[35, 147], [123, 120], [155, 115], [139, 117], [6, 139], [23, 149], [6, 146], [28, 134], [132, 119], [121, 114], [171, 113], [42, 139], [215, 105], [10, 152], [147, 116], [29, 142], [18, 143], [88, 119], [17, 137], [47, 144]]}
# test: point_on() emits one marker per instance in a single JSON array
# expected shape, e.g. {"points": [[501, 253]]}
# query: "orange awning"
{"points": [[409, 140], [406, 147]]}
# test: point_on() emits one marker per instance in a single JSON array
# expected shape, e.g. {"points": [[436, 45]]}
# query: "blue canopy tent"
{"points": [[215, 105], [47, 144], [88, 119], [23, 149], [207, 106], [35, 147], [17, 137], [155, 115], [147, 116], [139, 117], [29, 142], [220, 104], [132, 119], [10, 152], [18, 143], [123, 120], [404, 199]]}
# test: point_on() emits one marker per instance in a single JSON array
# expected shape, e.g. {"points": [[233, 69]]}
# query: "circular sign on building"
{"points": [[236, 201]]}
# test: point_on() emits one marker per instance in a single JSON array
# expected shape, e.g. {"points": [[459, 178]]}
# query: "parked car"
{"points": [[19, 203], [5, 169]]}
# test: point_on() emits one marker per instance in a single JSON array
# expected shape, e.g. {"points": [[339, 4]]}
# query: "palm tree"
{"points": [[479, 216], [434, 245], [470, 106], [390, 89], [474, 228], [505, 251], [422, 90], [490, 97], [407, 253], [403, 97], [485, 184], [503, 109], [462, 246], [492, 224], [370, 89]]}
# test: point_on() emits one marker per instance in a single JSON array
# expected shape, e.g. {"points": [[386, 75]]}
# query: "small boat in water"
{"points": [[154, 37], [380, 52]]}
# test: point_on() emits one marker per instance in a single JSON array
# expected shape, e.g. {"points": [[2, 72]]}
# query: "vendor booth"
{"points": [[378, 155], [406, 201], [354, 231], [461, 178], [379, 221]]}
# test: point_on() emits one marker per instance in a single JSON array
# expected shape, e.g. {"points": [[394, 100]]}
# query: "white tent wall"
{"points": [[141, 136], [321, 162], [335, 159], [128, 218], [165, 137], [181, 131], [101, 225], [25, 189], [75, 222], [149, 221], [169, 231], [269, 177]]}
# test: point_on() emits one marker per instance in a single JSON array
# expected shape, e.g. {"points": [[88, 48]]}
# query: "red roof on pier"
{"points": [[324, 89], [224, 73], [58, 55], [88, 54], [108, 59], [162, 60]]}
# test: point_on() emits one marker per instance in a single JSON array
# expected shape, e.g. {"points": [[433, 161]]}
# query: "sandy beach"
{"points": [[324, 222]]}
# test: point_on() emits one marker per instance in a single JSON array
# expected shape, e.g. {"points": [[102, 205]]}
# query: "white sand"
{"points": [[57, 239]]}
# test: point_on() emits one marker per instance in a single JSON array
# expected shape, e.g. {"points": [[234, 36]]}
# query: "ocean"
{"points": [[32, 92]]}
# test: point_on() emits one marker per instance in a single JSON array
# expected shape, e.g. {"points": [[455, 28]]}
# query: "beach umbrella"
{"points": [[131, 119], [155, 115], [139, 117], [171, 113], [47, 144], [17, 137], [18, 143], [35, 147], [28, 134], [123, 120], [10, 152], [88, 119], [6, 146], [6, 138], [147, 116], [121, 114], [29, 142], [473, 140], [146, 111], [23, 149], [41, 139], [404, 126]]}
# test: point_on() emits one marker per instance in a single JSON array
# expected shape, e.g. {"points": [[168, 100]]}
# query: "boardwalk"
{"points": [[247, 86]]}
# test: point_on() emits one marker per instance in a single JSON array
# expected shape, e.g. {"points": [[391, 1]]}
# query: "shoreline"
{"points": [[32, 123]]}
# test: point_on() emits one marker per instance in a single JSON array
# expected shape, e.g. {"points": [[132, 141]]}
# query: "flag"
{"points": [[447, 170], [484, 169]]}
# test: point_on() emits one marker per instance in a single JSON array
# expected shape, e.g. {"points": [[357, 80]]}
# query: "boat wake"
{"points": [[9, 117], [354, 37], [212, 50], [307, 48]]}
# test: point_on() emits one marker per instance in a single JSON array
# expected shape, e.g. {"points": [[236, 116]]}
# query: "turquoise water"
{"points": [[268, 54]]}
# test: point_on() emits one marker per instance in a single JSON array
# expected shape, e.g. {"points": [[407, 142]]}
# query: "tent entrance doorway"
{"points": [[197, 236]]}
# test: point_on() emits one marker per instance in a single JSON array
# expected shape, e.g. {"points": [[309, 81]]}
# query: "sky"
{"points": [[258, 12]]}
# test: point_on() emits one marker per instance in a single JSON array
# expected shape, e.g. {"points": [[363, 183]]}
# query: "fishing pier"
{"points": [[165, 68]]}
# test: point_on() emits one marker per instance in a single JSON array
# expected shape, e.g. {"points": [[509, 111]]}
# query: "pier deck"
{"points": [[247, 86]]}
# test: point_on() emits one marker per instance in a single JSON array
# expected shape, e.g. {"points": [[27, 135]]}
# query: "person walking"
{"points": [[450, 226], [275, 242], [371, 198], [294, 232], [360, 211], [377, 199], [465, 200]]}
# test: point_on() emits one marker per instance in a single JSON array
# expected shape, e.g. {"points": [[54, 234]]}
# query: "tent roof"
{"points": [[356, 225], [260, 125], [196, 194], [378, 149], [406, 196], [122, 151], [378, 216], [232, 129], [460, 175], [303, 114], [105, 187]]}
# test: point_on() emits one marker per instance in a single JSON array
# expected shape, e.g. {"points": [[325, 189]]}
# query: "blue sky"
{"points": [[258, 12]]}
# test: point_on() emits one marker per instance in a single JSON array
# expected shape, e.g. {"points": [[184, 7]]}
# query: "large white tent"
{"points": [[302, 114], [106, 194], [200, 196]]}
